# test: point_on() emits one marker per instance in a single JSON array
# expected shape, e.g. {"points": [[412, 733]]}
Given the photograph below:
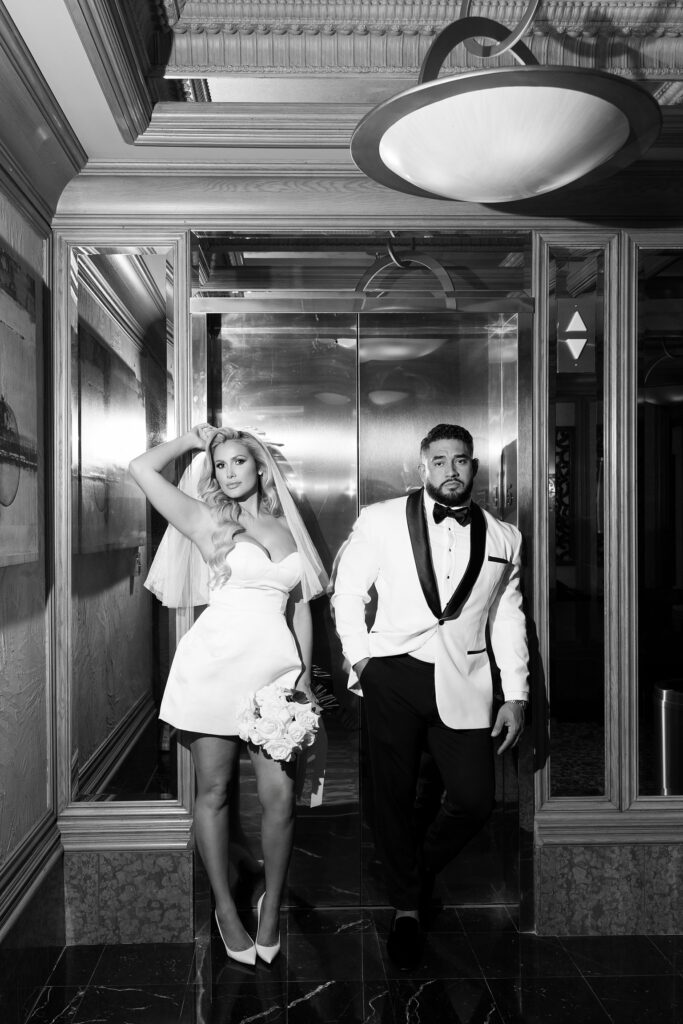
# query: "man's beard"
{"points": [[450, 498]]}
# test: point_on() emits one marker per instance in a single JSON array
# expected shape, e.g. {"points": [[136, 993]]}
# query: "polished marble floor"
{"points": [[478, 969]]}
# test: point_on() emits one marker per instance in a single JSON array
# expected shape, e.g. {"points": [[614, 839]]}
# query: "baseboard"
{"points": [[26, 869]]}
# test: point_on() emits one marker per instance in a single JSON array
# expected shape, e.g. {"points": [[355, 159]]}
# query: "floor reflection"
{"points": [[478, 969]]}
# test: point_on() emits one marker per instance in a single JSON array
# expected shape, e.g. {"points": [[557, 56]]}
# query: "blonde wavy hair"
{"points": [[227, 511]]}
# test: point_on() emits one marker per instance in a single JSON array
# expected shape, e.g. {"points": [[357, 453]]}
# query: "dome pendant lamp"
{"points": [[497, 135]]}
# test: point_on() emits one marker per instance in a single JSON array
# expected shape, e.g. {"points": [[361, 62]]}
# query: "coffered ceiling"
{"points": [[221, 74]]}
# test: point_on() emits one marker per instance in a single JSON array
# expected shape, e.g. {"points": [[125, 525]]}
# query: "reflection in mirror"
{"points": [[576, 508], [122, 402], [314, 272], [419, 370], [660, 521]]}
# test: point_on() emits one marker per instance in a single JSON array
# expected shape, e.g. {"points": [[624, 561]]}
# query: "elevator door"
{"points": [[346, 399]]}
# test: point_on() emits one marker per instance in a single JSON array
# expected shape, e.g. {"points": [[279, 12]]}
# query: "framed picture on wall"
{"points": [[20, 325], [110, 510]]}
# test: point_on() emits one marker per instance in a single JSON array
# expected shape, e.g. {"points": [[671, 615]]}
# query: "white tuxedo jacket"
{"points": [[389, 548]]}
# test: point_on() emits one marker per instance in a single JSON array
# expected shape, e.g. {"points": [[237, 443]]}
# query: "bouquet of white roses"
{"points": [[280, 720]]}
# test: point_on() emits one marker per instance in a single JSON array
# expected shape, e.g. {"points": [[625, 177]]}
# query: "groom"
{"points": [[447, 579]]}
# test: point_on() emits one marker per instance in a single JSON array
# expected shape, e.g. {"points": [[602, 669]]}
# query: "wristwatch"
{"points": [[520, 704]]}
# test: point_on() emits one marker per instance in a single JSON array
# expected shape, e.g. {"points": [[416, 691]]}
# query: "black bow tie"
{"points": [[462, 515]]}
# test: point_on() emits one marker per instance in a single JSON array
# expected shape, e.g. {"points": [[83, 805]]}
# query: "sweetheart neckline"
{"points": [[255, 544]]}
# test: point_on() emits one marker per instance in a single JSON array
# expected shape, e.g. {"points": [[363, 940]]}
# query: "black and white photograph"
{"points": [[341, 512]]}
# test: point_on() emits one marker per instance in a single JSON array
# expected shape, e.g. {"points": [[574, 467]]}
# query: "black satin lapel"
{"points": [[419, 538], [477, 550]]}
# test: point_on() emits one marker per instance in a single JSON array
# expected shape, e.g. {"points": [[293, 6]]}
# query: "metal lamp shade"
{"points": [[505, 134]]}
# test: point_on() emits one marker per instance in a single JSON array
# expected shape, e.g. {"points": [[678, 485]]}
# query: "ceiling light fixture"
{"points": [[496, 135]]}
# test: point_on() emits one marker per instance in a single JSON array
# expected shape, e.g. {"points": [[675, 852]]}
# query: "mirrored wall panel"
{"points": [[122, 639], [659, 503], [576, 522]]}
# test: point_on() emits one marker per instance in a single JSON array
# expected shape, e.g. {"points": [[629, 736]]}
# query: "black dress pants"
{"points": [[402, 721]]}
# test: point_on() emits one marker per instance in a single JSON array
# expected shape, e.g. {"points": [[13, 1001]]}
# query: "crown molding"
{"points": [[17, 186], [217, 36], [330, 197], [316, 165], [39, 151], [254, 125], [292, 15], [102, 291], [115, 57], [280, 126], [207, 53], [117, 36]]}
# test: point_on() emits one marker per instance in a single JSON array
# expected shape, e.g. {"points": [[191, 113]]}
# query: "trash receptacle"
{"points": [[668, 700]]}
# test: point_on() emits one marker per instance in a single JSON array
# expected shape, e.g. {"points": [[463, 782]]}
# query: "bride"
{"points": [[262, 572]]}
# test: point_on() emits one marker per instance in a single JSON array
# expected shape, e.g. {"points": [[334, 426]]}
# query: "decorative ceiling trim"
{"points": [[100, 287], [250, 125], [318, 166], [214, 36], [324, 198], [39, 151], [297, 125], [389, 49], [115, 59], [212, 15], [375, 42], [117, 36]]}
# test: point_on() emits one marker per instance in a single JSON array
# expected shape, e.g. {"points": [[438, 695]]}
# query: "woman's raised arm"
{"points": [[189, 515]]}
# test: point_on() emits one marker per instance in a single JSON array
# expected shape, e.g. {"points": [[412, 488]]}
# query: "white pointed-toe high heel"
{"points": [[267, 953], [242, 956]]}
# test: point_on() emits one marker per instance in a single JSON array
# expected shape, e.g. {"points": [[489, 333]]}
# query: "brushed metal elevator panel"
{"points": [[417, 370], [293, 377]]}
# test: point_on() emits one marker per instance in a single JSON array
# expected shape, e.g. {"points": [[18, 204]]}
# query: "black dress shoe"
{"points": [[405, 944]]}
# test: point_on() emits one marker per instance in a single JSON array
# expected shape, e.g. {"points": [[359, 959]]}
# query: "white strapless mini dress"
{"points": [[239, 643]]}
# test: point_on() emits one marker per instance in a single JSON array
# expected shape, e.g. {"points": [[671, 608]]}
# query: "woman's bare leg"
{"points": [[242, 856], [275, 786], [214, 761]]}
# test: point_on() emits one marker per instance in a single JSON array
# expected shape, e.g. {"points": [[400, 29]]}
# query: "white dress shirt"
{"points": [[450, 546]]}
